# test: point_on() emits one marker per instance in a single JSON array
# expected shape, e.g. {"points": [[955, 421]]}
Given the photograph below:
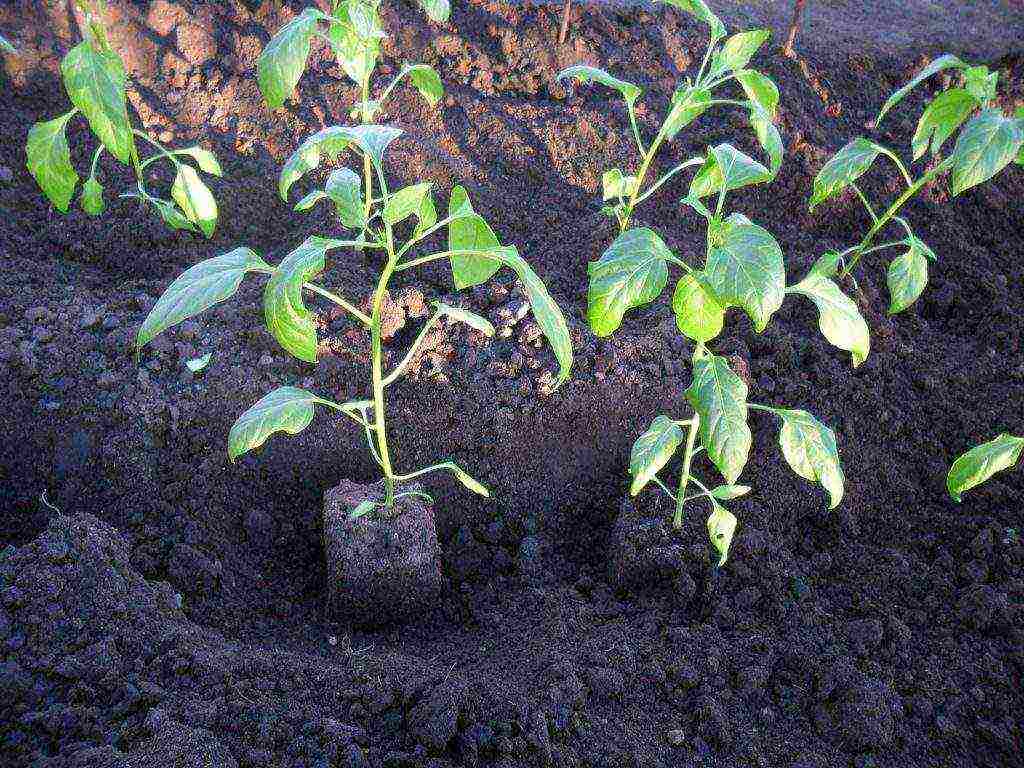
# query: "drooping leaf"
{"points": [[49, 161], [303, 160], [197, 289], [845, 167], [426, 80], [469, 232], [730, 492], [356, 44], [195, 199], [699, 314], [652, 451], [760, 89], [405, 202], [687, 105], [197, 364], [981, 83], [205, 159], [744, 269], [940, 120], [768, 136], [700, 10], [942, 62], [615, 185], [371, 139], [727, 163], [437, 10], [345, 189], [287, 317], [631, 272], [737, 51], [91, 199], [838, 317], [286, 409], [466, 317], [721, 527], [171, 215], [987, 144], [981, 462], [907, 277], [810, 449], [719, 397], [584, 74], [468, 481], [95, 82], [283, 61]]}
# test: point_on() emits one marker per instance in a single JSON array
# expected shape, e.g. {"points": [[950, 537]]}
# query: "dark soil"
{"points": [[172, 612]]}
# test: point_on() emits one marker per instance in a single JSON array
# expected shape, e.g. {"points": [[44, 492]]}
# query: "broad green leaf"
{"points": [[981, 83], [205, 159], [345, 188], [437, 10], [700, 10], [584, 74], [699, 314], [744, 269], [981, 462], [197, 364], [907, 277], [826, 265], [810, 449], [943, 62], [719, 397], [364, 507], [727, 163], [987, 144], [466, 317], [631, 272], [371, 139], [730, 492], [737, 51], [356, 40], [197, 289], [171, 216], [49, 161], [5, 45], [614, 185], [426, 80], [838, 317], [283, 309], [427, 214], [283, 61], [469, 232], [95, 82], [721, 527], [286, 409], [91, 199], [195, 199], [940, 119], [760, 89], [652, 451], [405, 202], [768, 136], [303, 160], [845, 167], [687, 105]]}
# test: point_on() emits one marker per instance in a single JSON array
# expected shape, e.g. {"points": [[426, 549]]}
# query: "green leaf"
{"points": [[631, 272], [356, 53], [405, 202], [826, 265], [283, 61], [981, 462], [981, 83], [838, 317], [943, 62], [768, 136], [303, 160], [469, 482], [940, 119], [197, 364], [195, 199], [364, 507], [721, 527], [197, 289], [810, 449], [437, 10], [730, 492], [699, 314], [91, 199], [205, 159], [987, 144], [426, 81], [5, 45], [652, 451], [466, 317], [345, 188], [95, 82], [286, 409], [171, 216], [49, 161], [286, 315], [614, 185], [719, 397], [737, 51], [744, 269], [728, 163], [907, 277], [469, 232], [687, 105], [371, 139], [584, 74], [1019, 114], [845, 167], [700, 10], [760, 89]]}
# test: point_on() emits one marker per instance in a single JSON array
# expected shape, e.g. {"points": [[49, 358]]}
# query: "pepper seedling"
{"points": [[95, 79], [989, 140], [743, 268], [368, 207], [983, 461]]}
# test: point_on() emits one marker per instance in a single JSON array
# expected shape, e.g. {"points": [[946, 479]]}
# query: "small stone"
{"points": [[676, 737]]}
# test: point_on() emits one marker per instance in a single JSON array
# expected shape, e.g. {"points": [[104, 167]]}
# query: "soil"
{"points": [[159, 605]]}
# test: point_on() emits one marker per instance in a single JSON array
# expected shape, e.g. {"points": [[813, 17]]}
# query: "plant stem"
{"points": [[684, 479], [644, 166], [377, 379]]}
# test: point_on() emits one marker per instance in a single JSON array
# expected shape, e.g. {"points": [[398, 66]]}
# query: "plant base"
{"points": [[383, 567]]}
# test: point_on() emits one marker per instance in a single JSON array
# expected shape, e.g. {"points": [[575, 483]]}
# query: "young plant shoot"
{"points": [[743, 268], [983, 461], [95, 80], [367, 207], [989, 140]]}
